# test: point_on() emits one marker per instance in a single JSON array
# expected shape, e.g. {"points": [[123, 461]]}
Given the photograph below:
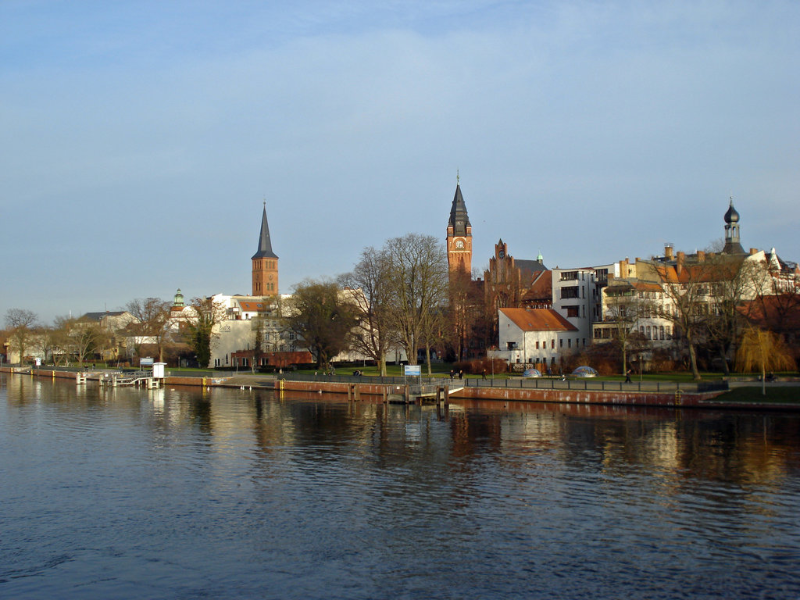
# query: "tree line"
{"points": [[79, 339]]}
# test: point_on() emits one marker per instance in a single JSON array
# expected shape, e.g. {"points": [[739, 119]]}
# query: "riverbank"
{"points": [[780, 397]]}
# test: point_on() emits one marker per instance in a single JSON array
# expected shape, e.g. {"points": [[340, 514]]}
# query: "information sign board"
{"points": [[413, 371]]}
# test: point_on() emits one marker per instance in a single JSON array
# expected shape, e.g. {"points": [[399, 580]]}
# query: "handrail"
{"points": [[541, 383]]}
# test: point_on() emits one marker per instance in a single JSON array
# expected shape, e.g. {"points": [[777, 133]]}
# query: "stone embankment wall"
{"points": [[377, 391]]}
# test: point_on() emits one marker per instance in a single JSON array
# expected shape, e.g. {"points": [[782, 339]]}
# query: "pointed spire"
{"points": [[459, 219], [264, 243]]}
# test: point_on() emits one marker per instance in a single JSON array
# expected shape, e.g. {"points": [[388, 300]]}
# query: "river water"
{"points": [[183, 493]]}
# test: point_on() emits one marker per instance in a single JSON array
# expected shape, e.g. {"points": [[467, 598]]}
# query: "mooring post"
{"points": [[407, 393]]}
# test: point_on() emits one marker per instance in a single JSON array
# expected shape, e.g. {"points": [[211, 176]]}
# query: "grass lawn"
{"points": [[778, 394]]}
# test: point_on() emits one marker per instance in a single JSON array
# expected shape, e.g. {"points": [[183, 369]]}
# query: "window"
{"points": [[647, 334], [569, 292], [569, 343], [572, 311], [569, 276], [552, 344], [561, 343], [661, 332], [537, 345]]}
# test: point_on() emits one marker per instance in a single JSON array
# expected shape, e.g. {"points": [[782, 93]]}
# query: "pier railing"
{"points": [[543, 383]]}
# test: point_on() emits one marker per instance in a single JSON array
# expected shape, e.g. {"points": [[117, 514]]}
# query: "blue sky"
{"points": [[139, 139]]}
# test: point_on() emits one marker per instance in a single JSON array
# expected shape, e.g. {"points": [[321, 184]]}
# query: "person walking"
{"points": [[628, 376]]}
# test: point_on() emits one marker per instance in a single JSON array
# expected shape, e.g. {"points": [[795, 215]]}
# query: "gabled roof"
{"points": [[529, 267], [538, 319], [724, 267], [541, 287], [264, 243], [785, 266]]}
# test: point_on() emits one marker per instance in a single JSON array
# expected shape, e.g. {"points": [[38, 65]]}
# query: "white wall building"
{"points": [[576, 297], [535, 336]]}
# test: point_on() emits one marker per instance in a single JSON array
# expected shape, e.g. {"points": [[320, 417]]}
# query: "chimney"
{"points": [[681, 258], [753, 251], [668, 251], [701, 256]]}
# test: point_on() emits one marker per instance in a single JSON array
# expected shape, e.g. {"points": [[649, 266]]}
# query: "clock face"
{"points": [[501, 254], [270, 277], [459, 244]]}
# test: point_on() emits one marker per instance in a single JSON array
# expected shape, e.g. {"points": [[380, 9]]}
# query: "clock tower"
{"points": [[459, 236], [265, 263]]}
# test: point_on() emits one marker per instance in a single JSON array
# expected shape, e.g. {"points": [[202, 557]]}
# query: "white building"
{"points": [[535, 336], [576, 297]]}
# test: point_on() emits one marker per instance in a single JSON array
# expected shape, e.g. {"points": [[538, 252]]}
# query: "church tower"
{"points": [[459, 236], [732, 243], [265, 263]]}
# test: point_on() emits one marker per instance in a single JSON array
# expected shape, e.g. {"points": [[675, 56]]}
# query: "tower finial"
{"points": [[458, 177]]}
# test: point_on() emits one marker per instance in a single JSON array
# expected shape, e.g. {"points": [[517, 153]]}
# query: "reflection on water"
{"points": [[180, 493]]}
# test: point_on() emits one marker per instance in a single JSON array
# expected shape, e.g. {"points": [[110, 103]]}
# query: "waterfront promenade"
{"points": [[445, 389]]}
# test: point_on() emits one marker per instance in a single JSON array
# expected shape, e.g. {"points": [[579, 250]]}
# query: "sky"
{"points": [[141, 139]]}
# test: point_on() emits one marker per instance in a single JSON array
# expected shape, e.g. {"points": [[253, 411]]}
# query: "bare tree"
{"points": [[731, 282], [625, 307], [153, 317], [462, 311], [419, 280], [80, 338], [371, 295], [687, 291], [21, 324]]}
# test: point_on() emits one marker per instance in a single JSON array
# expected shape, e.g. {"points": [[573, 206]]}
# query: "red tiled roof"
{"points": [[646, 287], [538, 319], [541, 287], [252, 306]]}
